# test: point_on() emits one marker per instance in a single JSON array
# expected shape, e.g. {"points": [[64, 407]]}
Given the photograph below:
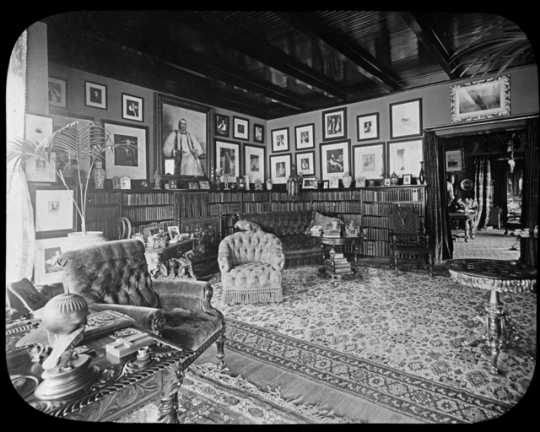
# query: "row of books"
{"points": [[193, 205], [223, 209], [375, 248], [337, 207], [100, 198], [335, 195], [102, 213], [373, 233], [157, 198], [144, 214], [256, 207], [290, 206], [224, 197], [255, 196], [284, 196], [408, 194], [375, 221]]}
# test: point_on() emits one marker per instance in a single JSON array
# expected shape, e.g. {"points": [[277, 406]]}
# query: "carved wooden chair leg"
{"points": [[220, 344], [168, 407]]}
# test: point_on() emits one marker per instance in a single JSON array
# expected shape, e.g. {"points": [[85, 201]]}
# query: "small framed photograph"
{"points": [[360, 182], [367, 126], [54, 211], [305, 163], [480, 99], [222, 125], [258, 133], [325, 184], [405, 157], [309, 183], [132, 107], [305, 136], [174, 232], [204, 184], [47, 271], [387, 181], [334, 124], [280, 140], [116, 182], [280, 168], [407, 179], [125, 183], [193, 185], [172, 184], [406, 119], [369, 160], [227, 156], [254, 162], [96, 95], [240, 128], [38, 170], [454, 160], [334, 159], [334, 183], [57, 92]]}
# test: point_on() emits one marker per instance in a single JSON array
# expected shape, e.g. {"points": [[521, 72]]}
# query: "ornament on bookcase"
{"points": [[157, 180], [269, 184], [98, 175], [258, 185], [394, 178], [422, 175], [347, 179], [246, 182], [241, 183]]}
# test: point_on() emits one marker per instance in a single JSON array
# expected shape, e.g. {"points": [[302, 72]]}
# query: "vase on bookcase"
{"points": [[269, 184], [80, 239], [98, 175], [347, 180], [422, 175], [394, 179]]}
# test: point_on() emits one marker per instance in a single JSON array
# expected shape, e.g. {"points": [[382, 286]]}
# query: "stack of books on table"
{"points": [[339, 265], [316, 230], [332, 233]]}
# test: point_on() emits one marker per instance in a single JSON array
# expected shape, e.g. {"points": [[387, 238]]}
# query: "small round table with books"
{"points": [[336, 265]]}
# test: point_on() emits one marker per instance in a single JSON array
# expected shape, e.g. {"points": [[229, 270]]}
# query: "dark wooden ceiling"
{"points": [[267, 64]]}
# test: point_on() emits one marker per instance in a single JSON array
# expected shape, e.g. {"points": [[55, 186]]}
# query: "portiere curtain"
{"points": [[20, 235], [482, 190], [530, 175], [437, 219]]}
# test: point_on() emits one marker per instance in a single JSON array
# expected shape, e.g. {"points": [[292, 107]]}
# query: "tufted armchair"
{"points": [[251, 263], [114, 276]]}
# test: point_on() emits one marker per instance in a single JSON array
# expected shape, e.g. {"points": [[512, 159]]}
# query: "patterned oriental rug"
{"points": [[394, 339], [212, 396]]}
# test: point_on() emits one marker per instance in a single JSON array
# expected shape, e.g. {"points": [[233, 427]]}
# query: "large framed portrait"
{"points": [[280, 168], [258, 133], [480, 99], [47, 271], [334, 124], [57, 92], [132, 107], [334, 159], [183, 131], [406, 119], [404, 157], [369, 161], [367, 126], [454, 160], [240, 128], [304, 136], [305, 163], [280, 140], [254, 160], [95, 95], [228, 159], [54, 211], [127, 162], [222, 125]]}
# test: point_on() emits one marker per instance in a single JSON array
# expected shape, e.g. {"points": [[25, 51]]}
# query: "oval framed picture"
{"points": [[466, 184]]}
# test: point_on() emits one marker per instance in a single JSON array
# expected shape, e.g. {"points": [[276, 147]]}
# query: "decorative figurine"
{"points": [[157, 180], [258, 185]]}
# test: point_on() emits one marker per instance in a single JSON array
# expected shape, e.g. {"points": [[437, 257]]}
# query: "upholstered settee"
{"points": [[251, 263], [292, 228], [114, 276]]}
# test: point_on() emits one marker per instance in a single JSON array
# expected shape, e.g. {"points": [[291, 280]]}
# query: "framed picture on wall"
{"points": [[404, 157], [222, 125], [334, 124], [280, 140], [367, 126], [187, 124], [54, 211], [240, 128], [228, 159], [47, 271], [369, 161], [95, 95], [334, 159], [280, 168], [57, 92], [123, 162], [132, 107], [406, 119], [258, 133], [254, 162], [38, 128], [454, 160], [305, 163], [480, 99], [305, 136]]}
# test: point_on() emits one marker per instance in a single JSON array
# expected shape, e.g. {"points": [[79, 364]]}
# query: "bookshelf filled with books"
{"points": [[102, 213]]}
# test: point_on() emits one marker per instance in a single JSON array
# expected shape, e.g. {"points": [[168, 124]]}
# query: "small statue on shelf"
{"points": [[157, 180], [258, 185], [351, 230]]}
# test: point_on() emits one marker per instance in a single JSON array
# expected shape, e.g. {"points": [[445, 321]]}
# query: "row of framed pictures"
{"points": [[405, 122], [240, 128], [95, 97], [230, 163], [371, 161]]}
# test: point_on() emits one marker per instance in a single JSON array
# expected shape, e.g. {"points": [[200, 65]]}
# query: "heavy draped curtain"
{"points": [[482, 190], [530, 176], [437, 219]]}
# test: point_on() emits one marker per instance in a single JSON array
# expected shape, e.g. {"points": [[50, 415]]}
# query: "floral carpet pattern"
{"points": [[395, 339]]}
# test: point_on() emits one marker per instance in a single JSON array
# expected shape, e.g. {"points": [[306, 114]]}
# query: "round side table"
{"points": [[337, 266]]}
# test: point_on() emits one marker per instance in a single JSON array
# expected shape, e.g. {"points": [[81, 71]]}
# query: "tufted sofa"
{"points": [[289, 227], [251, 263], [114, 276]]}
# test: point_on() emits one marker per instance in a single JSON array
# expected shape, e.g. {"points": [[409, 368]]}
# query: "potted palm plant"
{"points": [[75, 143]]}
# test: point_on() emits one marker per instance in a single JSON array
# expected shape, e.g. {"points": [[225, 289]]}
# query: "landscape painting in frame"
{"points": [[187, 125], [368, 161], [480, 99], [404, 157]]}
